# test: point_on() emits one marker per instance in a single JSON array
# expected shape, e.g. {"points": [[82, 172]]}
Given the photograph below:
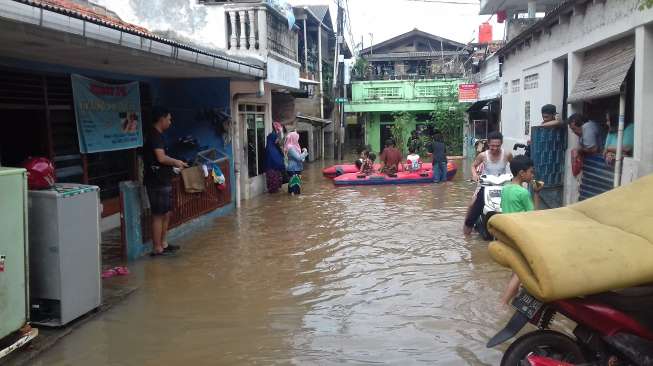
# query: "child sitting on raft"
{"points": [[413, 161], [365, 164]]}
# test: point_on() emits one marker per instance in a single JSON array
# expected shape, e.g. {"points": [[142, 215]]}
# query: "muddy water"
{"points": [[368, 275]]}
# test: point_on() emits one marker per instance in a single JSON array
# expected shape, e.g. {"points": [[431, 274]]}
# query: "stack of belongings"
{"points": [[601, 244]]}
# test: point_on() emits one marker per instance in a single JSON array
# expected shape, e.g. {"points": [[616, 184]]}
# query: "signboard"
{"points": [[108, 115], [282, 74], [467, 93], [341, 100]]}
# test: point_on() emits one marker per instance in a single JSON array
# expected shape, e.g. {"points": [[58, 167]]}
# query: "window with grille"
{"points": [[515, 86], [531, 81], [383, 92], [433, 91]]}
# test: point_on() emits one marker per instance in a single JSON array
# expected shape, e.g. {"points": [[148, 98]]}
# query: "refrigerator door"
{"points": [[13, 269]]}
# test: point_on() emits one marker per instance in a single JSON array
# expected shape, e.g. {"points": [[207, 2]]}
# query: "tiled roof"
{"points": [[89, 10]]}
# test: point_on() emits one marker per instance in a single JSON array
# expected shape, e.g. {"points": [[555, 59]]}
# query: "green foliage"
{"points": [[360, 68], [400, 128], [645, 4], [449, 122]]}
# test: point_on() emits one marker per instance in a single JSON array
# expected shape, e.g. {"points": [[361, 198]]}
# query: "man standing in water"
{"points": [[495, 162], [158, 168]]}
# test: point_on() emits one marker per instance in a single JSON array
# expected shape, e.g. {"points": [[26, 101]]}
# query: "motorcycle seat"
{"points": [[636, 302]]}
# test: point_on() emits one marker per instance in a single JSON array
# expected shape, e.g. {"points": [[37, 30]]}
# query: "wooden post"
{"points": [[49, 143]]}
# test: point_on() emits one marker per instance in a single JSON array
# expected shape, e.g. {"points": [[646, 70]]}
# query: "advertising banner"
{"points": [[108, 115]]}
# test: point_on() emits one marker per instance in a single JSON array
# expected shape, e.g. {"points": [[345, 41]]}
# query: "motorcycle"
{"points": [[492, 185], [611, 329]]}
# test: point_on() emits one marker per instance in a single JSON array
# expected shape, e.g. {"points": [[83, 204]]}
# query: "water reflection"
{"points": [[367, 275]]}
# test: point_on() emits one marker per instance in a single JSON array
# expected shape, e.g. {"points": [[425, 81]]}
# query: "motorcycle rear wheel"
{"points": [[547, 343]]}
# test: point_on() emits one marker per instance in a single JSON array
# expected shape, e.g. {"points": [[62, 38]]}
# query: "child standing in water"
{"points": [[516, 198]]}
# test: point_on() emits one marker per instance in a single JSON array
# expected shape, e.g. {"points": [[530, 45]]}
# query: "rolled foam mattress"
{"points": [[601, 244]]}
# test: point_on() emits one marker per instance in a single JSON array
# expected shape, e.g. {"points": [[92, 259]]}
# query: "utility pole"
{"points": [[341, 77]]}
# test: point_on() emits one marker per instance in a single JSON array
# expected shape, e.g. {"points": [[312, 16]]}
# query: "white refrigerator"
{"points": [[65, 256]]}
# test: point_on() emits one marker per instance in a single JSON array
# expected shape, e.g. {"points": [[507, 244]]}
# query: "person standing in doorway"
{"points": [[590, 134], [439, 159], [550, 117], [158, 173]]}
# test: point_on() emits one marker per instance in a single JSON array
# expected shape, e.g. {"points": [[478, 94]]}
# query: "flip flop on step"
{"points": [[115, 271]]}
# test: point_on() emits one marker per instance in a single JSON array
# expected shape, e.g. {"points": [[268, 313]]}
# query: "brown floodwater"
{"points": [[365, 275]]}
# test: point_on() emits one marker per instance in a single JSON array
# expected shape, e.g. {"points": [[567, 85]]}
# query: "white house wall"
{"points": [[490, 85], [601, 22]]}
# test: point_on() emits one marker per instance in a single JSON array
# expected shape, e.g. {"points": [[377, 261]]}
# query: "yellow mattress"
{"points": [[604, 243]]}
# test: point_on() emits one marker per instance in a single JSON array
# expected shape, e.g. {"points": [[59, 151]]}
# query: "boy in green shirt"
{"points": [[516, 198]]}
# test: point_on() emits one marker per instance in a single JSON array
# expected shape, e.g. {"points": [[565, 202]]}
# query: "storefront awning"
{"points": [[476, 107], [308, 81], [604, 70]]}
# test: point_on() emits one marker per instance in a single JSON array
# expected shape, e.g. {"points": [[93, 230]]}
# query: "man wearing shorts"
{"points": [[158, 168]]}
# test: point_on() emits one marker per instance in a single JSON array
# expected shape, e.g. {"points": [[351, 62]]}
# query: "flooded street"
{"points": [[365, 275]]}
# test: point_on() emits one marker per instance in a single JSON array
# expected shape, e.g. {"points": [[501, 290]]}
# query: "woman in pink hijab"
{"points": [[296, 156]]}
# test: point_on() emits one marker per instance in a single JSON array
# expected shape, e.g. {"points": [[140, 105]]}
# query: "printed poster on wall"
{"points": [[468, 93], [108, 115]]}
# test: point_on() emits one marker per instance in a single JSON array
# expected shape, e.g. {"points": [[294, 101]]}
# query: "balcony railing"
{"points": [[255, 28]]}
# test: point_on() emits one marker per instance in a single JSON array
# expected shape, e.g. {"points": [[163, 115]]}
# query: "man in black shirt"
{"points": [[158, 173]]}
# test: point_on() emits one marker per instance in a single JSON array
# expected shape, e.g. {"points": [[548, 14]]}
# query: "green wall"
{"points": [[391, 96]]}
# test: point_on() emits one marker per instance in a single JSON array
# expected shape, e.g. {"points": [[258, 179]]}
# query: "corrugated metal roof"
{"points": [[604, 70], [410, 55], [319, 11], [597, 177]]}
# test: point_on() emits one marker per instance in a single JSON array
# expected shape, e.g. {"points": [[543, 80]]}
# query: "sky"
{"points": [[379, 20], [374, 20]]}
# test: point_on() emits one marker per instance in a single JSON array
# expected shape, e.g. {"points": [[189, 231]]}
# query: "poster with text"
{"points": [[468, 93], [108, 115]]}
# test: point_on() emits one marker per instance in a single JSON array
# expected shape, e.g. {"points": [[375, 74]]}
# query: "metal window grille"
{"points": [[531, 81], [383, 92], [515, 86], [433, 91]]}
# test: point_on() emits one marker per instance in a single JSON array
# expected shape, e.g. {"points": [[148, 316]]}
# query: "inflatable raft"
{"points": [[339, 169], [425, 176]]}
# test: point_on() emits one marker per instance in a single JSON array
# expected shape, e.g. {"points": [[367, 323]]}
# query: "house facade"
{"points": [[587, 57], [415, 72], [46, 45]]}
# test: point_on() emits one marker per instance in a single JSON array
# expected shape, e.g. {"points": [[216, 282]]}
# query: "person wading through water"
{"points": [[495, 162]]}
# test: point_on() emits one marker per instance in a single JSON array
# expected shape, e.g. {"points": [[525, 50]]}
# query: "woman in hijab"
{"points": [[296, 156], [274, 162]]}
